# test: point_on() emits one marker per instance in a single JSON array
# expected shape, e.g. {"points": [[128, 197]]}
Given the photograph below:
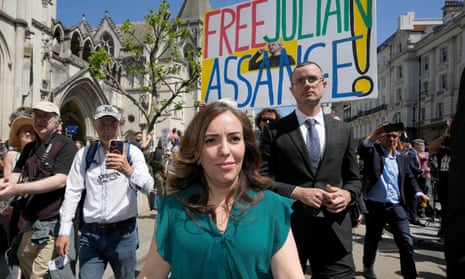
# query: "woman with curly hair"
{"points": [[219, 220]]}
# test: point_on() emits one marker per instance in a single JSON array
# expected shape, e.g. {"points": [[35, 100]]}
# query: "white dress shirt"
{"points": [[110, 195], [319, 125]]}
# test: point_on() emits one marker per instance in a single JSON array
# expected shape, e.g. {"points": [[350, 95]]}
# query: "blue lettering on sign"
{"points": [[248, 87]]}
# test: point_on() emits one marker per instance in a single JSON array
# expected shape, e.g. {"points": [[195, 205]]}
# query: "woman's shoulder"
{"points": [[176, 198], [274, 200], [11, 154]]}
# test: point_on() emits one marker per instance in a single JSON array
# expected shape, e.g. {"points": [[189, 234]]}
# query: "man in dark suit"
{"points": [[454, 241], [388, 182], [412, 203], [324, 185]]}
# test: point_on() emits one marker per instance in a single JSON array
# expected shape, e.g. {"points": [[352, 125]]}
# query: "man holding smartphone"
{"points": [[108, 224]]}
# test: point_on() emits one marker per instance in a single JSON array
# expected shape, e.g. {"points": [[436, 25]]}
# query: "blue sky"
{"points": [[70, 11]]}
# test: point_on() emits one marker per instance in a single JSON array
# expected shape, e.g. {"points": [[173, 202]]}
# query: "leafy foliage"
{"points": [[158, 55]]}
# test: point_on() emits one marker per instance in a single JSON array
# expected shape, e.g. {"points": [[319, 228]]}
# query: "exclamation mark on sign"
{"points": [[361, 24]]}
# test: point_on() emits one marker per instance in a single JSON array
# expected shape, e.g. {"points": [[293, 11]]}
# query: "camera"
{"points": [[394, 127]]}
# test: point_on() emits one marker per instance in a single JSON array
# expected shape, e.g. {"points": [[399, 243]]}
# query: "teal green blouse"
{"points": [[197, 249]]}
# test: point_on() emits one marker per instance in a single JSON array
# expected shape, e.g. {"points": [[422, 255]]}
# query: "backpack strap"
{"points": [[90, 153], [51, 150], [128, 154]]}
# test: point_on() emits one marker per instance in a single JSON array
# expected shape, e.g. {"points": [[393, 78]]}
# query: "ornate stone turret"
{"points": [[451, 7], [193, 10]]}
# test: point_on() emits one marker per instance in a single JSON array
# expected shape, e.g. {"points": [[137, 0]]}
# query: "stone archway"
{"points": [[77, 108], [73, 121]]}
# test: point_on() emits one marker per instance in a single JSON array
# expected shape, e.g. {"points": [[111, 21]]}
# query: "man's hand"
{"points": [[313, 197], [7, 189], [338, 199], [62, 245], [119, 162], [378, 132], [423, 199]]}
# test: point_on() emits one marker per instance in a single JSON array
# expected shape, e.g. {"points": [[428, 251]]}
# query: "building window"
{"points": [[347, 111], [422, 114], [444, 53], [424, 64], [440, 110], [443, 82], [396, 118], [398, 96], [424, 88], [399, 72], [108, 43]]}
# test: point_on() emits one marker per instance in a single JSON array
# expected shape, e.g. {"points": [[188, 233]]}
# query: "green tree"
{"points": [[153, 55]]}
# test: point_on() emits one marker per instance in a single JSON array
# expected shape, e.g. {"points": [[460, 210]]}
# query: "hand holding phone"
{"points": [[116, 146]]}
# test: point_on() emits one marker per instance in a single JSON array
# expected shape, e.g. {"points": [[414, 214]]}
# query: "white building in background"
{"points": [[41, 59], [419, 69]]}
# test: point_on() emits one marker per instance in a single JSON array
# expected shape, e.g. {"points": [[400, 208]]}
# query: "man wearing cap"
{"points": [[39, 177], [110, 182]]}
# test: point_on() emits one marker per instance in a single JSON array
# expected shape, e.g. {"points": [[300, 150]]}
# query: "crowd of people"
{"points": [[232, 201]]}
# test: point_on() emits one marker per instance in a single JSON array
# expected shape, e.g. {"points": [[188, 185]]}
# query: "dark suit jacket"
{"points": [[454, 240], [413, 162], [285, 159], [373, 158]]}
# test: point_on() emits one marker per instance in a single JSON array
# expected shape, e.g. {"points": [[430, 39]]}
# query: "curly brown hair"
{"points": [[188, 172], [258, 117]]}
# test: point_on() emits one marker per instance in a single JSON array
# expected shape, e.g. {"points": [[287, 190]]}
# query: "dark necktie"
{"points": [[313, 144]]}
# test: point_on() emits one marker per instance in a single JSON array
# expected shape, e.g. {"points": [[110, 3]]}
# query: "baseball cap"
{"points": [[107, 110], [47, 107]]}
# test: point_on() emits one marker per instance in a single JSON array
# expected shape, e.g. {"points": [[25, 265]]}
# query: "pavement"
{"points": [[428, 249], [429, 252], [426, 235]]}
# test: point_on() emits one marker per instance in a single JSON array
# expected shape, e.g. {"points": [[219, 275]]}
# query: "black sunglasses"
{"points": [[266, 119]]}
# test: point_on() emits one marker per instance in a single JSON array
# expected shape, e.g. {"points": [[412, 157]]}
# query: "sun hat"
{"points": [[16, 125]]}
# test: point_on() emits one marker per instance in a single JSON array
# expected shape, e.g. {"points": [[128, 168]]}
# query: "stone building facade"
{"points": [[41, 59], [419, 69]]}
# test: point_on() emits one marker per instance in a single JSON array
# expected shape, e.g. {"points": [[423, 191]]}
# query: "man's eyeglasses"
{"points": [[312, 80], [266, 119], [44, 115]]}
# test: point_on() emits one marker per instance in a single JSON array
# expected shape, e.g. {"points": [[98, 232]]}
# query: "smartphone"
{"points": [[394, 127], [116, 146]]}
